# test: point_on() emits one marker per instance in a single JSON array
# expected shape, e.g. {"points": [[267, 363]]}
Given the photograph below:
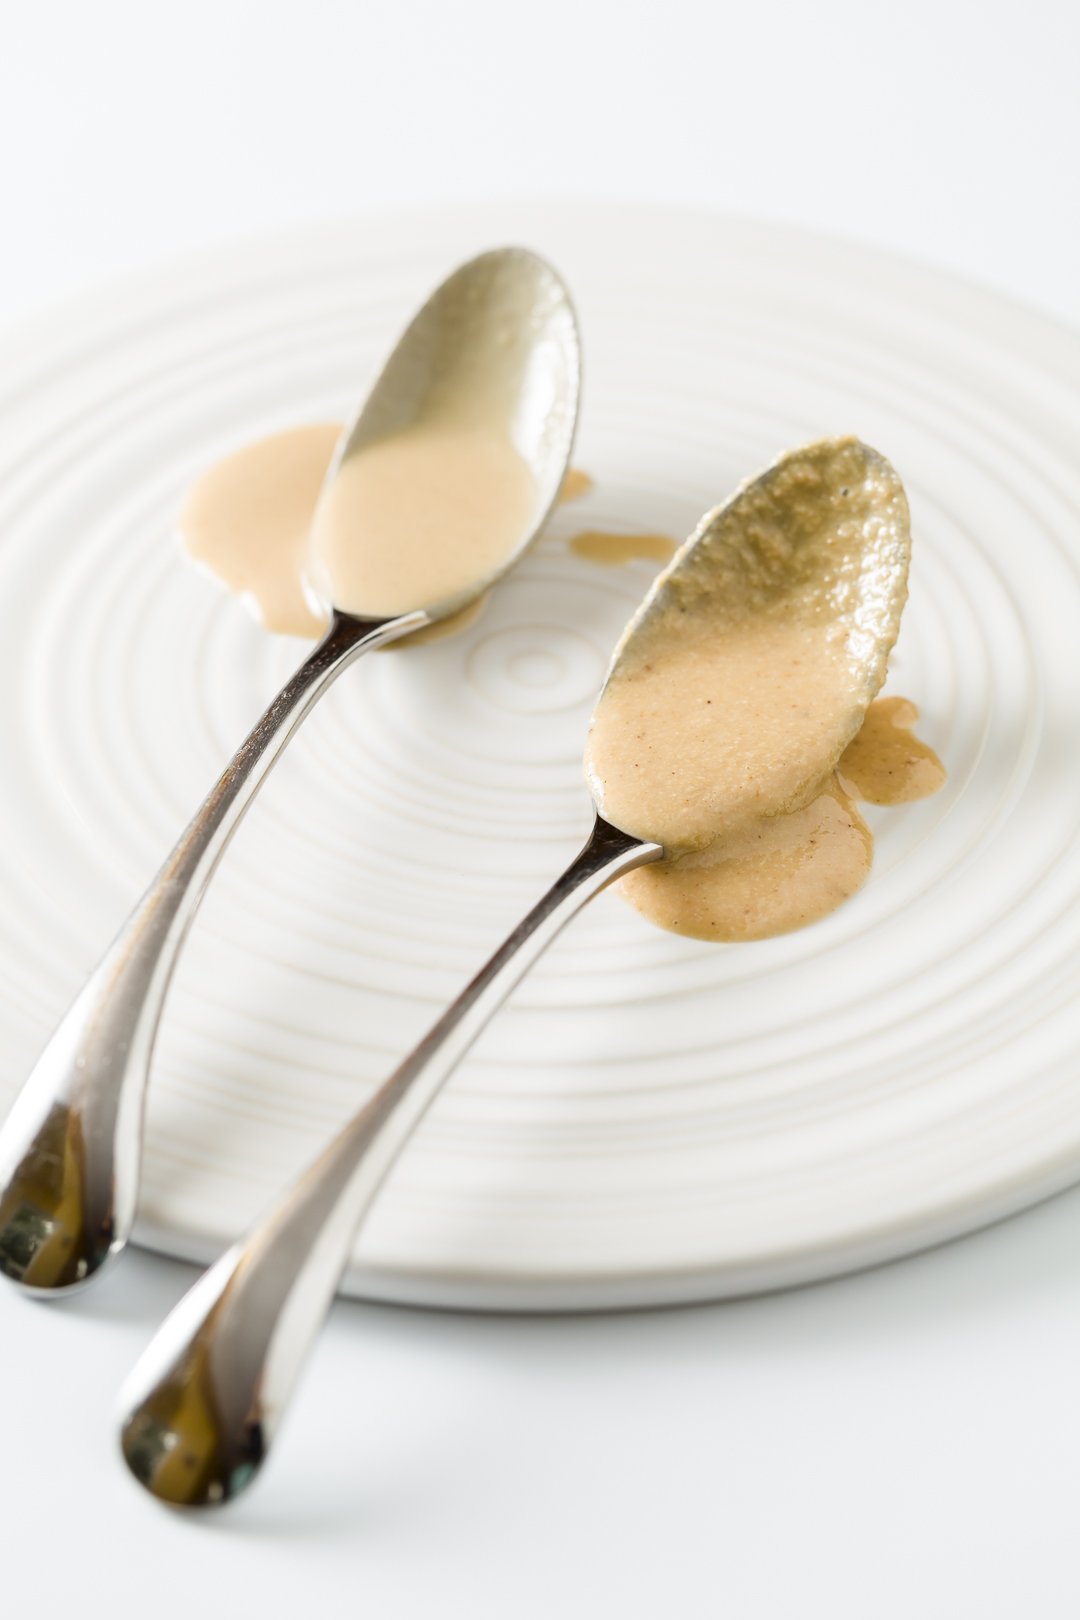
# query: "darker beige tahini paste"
{"points": [[746, 676]]}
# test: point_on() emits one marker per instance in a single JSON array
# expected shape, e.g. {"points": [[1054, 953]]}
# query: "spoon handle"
{"points": [[203, 1404], [70, 1148]]}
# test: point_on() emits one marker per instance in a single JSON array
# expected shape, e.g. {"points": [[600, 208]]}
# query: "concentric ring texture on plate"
{"points": [[650, 1119]]}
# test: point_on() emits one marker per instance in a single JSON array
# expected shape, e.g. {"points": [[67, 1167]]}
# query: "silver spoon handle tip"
{"points": [[202, 1406], [71, 1146]]}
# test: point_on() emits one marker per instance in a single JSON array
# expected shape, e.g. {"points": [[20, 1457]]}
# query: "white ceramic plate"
{"points": [[650, 1119]]}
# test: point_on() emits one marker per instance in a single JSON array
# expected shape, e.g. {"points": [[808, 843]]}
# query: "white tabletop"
{"points": [[897, 1443]]}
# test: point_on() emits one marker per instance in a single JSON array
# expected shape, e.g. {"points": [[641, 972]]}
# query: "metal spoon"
{"points": [[70, 1148], [204, 1403]]}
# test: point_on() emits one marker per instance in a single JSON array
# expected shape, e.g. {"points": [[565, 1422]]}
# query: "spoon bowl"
{"points": [[492, 358], [750, 664]]}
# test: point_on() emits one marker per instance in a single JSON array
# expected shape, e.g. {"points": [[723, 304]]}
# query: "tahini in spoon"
{"points": [[440, 484], [826, 531]]}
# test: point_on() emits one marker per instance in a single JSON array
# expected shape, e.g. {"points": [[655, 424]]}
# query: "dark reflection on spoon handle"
{"points": [[70, 1148], [203, 1404]]}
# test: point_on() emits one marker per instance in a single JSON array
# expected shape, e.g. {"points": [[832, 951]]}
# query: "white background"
{"points": [[894, 1444]]}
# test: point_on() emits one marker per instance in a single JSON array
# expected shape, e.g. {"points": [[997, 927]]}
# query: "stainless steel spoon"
{"points": [[203, 1405], [70, 1149]]}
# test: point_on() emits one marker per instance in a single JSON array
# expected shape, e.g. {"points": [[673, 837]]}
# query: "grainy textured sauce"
{"points": [[887, 763], [746, 675]]}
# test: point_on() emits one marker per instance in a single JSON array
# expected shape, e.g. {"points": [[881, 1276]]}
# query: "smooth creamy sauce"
{"points": [[744, 678], [248, 519], [610, 550], [420, 518]]}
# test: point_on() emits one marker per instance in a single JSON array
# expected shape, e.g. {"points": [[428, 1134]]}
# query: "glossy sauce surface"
{"points": [[248, 519], [420, 518]]}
